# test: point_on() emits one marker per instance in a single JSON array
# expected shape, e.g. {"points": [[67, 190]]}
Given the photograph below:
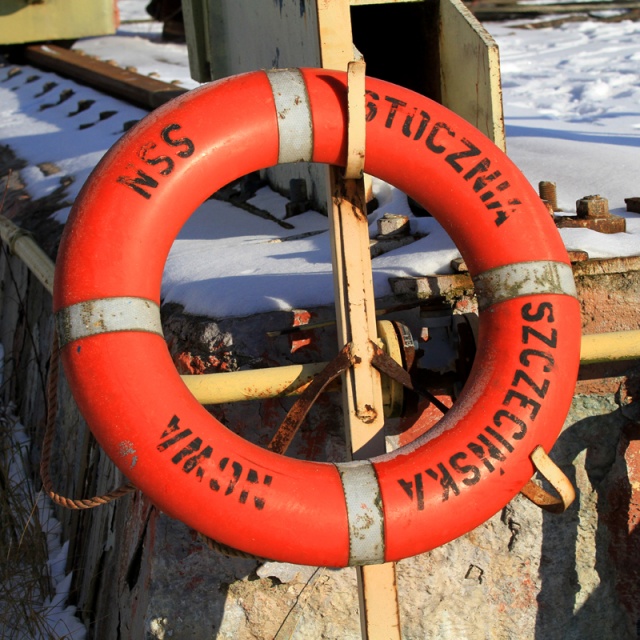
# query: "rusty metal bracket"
{"points": [[343, 361], [592, 212], [290, 425], [387, 365], [558, 480]]}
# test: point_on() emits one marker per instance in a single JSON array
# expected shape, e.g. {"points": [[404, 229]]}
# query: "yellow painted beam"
{"points": [[55, 20], [209, 389], [610, 347]]}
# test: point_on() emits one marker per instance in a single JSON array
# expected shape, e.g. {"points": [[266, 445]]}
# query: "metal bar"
{"points": [[610, 347], [254, 384], [214, 388], [290, 380]]}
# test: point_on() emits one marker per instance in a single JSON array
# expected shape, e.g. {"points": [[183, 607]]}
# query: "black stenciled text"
{"points": [[522, 401], [461, 154], [159, 158], [220, 473]]}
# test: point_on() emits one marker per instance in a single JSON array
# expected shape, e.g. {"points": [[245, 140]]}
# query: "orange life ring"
{"points": [[107, 296]]}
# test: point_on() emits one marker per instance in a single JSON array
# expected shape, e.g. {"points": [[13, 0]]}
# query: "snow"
{"points": [[571, 96], [572, 106], [572, 114]]}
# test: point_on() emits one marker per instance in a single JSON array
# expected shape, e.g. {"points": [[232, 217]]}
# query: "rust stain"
{"points": [[367, 415], [301, 318]]}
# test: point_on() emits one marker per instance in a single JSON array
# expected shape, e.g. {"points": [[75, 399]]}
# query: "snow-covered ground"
{"points": [[572, 109]]}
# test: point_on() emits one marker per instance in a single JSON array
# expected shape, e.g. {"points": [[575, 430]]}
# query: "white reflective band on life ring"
{"points": [[523, 279], [364, 512], [107, 315], [295, 128]]}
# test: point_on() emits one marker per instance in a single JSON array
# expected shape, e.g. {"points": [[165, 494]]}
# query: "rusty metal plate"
{"points": [[608, 224]]}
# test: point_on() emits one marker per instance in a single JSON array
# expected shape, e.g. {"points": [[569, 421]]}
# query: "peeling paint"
{"points": [[523, 278], [364, 512]]}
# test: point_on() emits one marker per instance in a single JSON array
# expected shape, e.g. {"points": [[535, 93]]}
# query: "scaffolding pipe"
{"points": [[216, 388], [255, 384], [610, 347]]}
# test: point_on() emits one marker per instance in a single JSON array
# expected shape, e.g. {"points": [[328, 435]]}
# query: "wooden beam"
{"points": [[470, 71], [356, 322], [140, 90]]}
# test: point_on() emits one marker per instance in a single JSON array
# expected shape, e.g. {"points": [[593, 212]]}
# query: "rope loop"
{"points": [[45, 460]]}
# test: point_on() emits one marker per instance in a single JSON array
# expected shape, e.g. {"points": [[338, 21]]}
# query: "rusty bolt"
{"points": [[393, 224], [633, 204], [548, 193], [592, 207], [593, 213]]}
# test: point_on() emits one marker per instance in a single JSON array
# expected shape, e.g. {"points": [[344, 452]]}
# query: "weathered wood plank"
{"points": [[140, 90], [470, 71]]}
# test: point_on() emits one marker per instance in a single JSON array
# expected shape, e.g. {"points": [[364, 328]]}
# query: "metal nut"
{"points": [[593, 213], [592, 207]]}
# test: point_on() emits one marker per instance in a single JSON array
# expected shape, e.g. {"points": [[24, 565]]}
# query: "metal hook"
{"points": [[556, 478]]}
